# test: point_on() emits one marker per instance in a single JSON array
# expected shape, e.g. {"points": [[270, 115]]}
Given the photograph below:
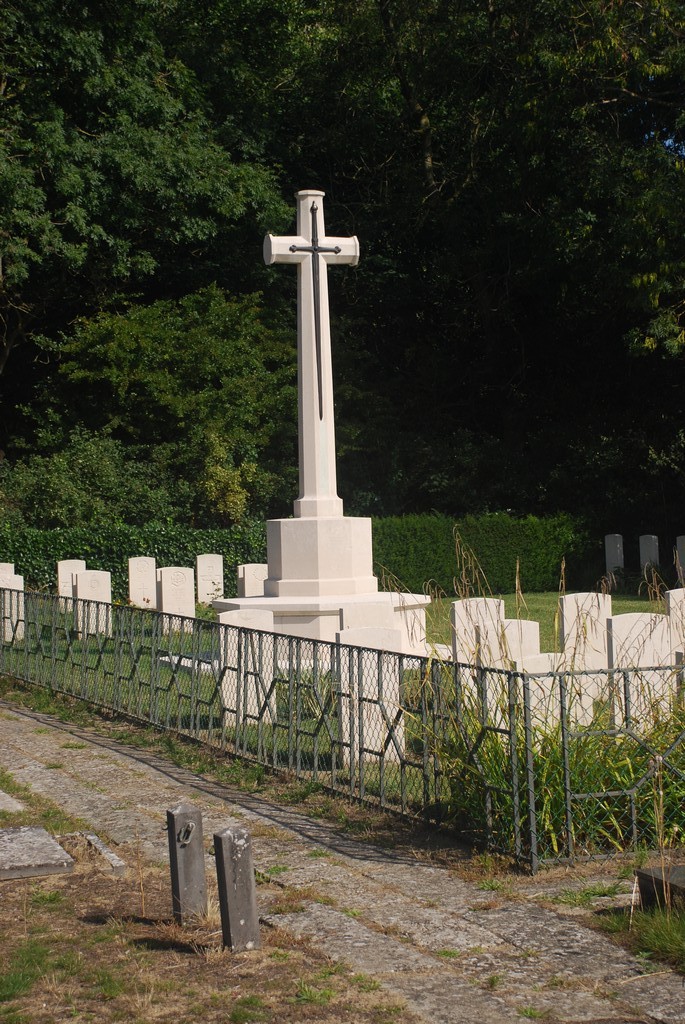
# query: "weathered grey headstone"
{"points": [[142, 582], [6, 568], [649, 550], [237, 890], [210, 578], [187, 862], [613, 552], [27, 851]]}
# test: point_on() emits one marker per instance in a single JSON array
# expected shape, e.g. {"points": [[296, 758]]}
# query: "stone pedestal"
{"points": [[319, 557]]}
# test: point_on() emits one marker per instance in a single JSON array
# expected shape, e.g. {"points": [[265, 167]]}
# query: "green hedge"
{"points": [[414, 550], [437, 549], [36, 552]]}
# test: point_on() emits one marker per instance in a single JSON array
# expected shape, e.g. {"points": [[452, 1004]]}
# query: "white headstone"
{"points": [[176, 591], [649, 550], [93, 591], [583, 628], [637, 640], [11, 606], [522, 638], [478, 631], [142, 582], [65, 575], [613, 551], [640, 641], [8, 577], [251, 579], [246, 691], [210, 578], [675, 610]]}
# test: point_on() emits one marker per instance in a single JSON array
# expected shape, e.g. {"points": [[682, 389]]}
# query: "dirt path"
{"points": [[452, 951]]}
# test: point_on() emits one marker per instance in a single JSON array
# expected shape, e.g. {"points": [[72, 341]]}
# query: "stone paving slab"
{"points": [[8, 803], [29, 852], [383, 912]]}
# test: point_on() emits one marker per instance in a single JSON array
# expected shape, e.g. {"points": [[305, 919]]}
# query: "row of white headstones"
{"points": [[590, 637], [593, 643], [649, 551], [172, 589]]}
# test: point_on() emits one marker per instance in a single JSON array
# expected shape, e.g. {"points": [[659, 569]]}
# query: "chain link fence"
{"points": [[542, 768]]}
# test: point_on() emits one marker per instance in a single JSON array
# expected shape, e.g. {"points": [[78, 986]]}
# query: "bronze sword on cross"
{"points": [[315, 249]]}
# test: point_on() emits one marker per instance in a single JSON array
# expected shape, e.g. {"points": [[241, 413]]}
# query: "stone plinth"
{"points": [[319, 557]]}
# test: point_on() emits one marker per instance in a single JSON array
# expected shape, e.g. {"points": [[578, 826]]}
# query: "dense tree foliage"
{"points": [[514, 336]]}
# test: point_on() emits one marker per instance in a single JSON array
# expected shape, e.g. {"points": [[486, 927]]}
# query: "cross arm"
{"points": [[348, 250], [277, 248]]}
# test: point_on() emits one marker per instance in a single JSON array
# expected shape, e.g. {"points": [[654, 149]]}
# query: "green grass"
{"points": [[26, 965], [655, 935], [584, 897], [247, 1009], [310, 994], [46, 897]]}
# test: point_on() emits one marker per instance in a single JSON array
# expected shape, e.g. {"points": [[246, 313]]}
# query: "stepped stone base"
{"points": [[324, 618]]}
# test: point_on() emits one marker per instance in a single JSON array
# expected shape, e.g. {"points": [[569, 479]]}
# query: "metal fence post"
{"points": [[530, 776]]}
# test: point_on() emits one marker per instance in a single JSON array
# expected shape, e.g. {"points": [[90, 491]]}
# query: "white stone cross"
{"points": [[312, 250]]}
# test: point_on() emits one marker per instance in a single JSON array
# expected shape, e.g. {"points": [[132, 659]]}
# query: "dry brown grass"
{"points": [[78, 947]]}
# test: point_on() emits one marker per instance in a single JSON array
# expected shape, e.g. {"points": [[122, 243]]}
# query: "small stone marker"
{"points": [[209, 570], [187, 862], [237, 891], [656, 884], [27, 851]]}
